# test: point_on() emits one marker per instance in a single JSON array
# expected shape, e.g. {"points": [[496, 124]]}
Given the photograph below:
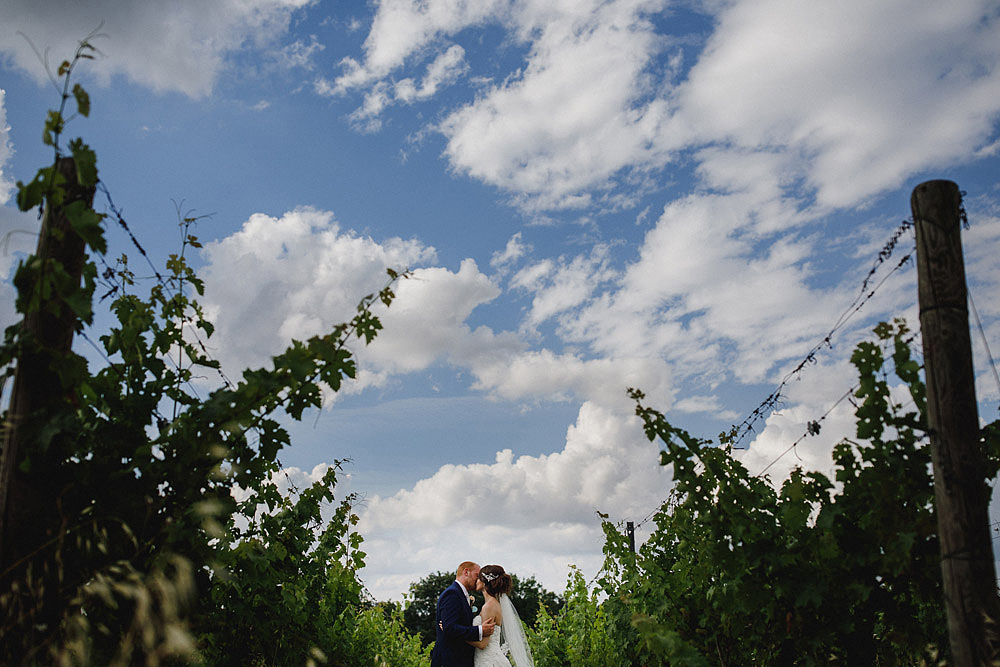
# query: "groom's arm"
{"points": [[451, 617]]}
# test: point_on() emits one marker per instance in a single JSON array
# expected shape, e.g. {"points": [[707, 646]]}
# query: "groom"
{"points": [[454, 621]]}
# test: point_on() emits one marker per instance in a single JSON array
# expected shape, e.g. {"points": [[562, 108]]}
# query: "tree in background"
{"points": [[527, 595], [529, 598], [421, 602]]}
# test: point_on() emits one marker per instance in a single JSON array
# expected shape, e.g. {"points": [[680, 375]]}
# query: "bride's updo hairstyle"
{"points": [[495, 579]]}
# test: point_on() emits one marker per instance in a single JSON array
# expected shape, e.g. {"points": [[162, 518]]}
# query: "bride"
{"points": [[495, 585]]}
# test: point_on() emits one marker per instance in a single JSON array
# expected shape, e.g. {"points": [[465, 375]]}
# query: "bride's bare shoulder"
{"points": [[491, 608]]}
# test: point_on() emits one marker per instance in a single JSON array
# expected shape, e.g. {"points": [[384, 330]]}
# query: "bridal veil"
{"points": [[512, 634]]}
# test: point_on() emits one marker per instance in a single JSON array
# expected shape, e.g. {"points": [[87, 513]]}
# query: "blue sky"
{"points": [[680, 196]]}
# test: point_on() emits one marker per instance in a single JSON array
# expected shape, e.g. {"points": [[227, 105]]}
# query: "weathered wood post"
{"points": [[961, 493], [48, 330]]}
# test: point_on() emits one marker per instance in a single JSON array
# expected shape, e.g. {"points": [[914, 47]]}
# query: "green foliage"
{"points": [[135, 537], [380, 639], [548, 641], [580, 635], [818, 572], [286, 590]]}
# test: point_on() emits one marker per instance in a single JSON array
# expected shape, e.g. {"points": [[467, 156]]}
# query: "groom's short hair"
{"points": [[466, 565]]}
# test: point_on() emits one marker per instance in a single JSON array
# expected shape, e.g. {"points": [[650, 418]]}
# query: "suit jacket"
{"points": [[453, 623]]}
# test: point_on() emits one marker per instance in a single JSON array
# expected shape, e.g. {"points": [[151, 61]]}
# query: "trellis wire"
{"points": [[744, 428], [865, 294]]}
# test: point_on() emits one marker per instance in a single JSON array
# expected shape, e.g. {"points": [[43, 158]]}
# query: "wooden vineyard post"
{"points": [[961, 493], [49, 332]]}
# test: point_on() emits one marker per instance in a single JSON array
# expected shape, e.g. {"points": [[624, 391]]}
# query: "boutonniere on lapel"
{"points": [[472, 603]]}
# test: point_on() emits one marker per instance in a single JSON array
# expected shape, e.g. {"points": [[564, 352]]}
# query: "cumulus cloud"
{"points": [[533, 514], [403, 28], [299, 275], [515, 249], [861, 94], [446, 68], [178, 46], [300, 53], [589, 61], [426, 323], [704, 404], [292, 277], [719, 294], [545, 375], [847, 99], [703, 296], [563, 285], [578, 113]]}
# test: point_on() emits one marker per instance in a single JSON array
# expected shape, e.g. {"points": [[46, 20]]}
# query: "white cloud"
{"points": [[704, 404], [818, 391], [705, 297], [515, 249], [300, 53], [426, 323], [849, 99], [561, 287], [402, 28], [446, 68], [575, 116], [6, 151], [534, 515], [291, 277], [545, 375], [861, 94], [366, 117], [587, 60], [178, 46], [532, 276]]}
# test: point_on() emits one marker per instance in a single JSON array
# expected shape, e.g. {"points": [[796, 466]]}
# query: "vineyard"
{"points": [[124, 542]]}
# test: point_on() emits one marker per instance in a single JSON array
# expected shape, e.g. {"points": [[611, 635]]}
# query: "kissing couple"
{"points": [[483, 641]]}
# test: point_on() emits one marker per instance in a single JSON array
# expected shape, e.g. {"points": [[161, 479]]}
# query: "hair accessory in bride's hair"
{"points": [[490, 576]]}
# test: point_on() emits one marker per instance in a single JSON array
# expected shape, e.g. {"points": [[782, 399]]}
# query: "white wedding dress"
{"points": [[503, 642], [495, 653]]}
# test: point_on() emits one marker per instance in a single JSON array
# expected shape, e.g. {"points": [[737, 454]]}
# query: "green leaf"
{"points": [[79, 303], [53, 128], [29, 196], [86, 222], [86, 162], [82, 100]]}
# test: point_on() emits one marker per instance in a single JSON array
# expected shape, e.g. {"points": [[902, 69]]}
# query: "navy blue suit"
{"points": [[454, 628]]}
